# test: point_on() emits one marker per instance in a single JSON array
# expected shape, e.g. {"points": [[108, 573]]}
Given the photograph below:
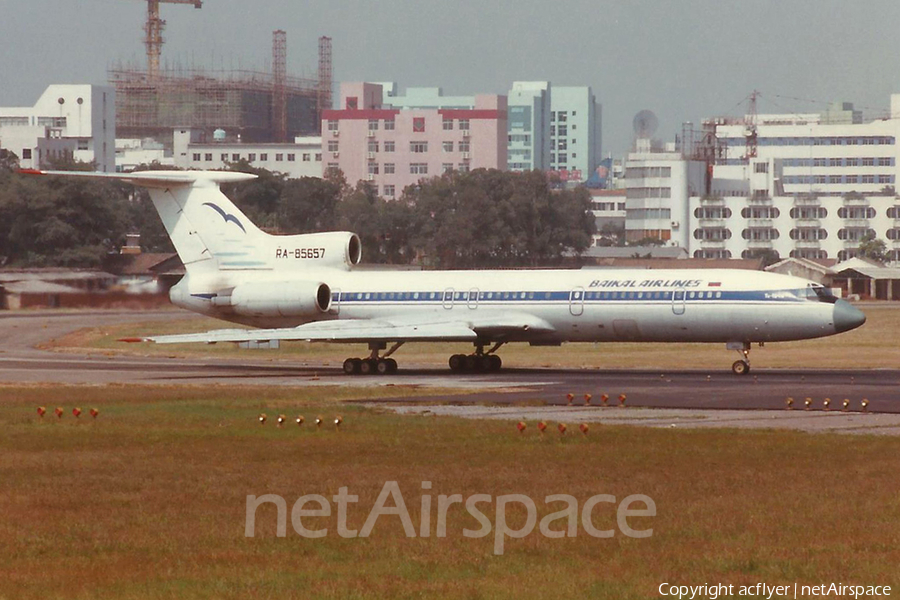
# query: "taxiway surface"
{"points": [[22, 362]]}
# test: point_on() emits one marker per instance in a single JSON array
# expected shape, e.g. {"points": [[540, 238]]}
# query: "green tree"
{"points": [[873, 249], [308, 204], [489, 218], [57, 221]]}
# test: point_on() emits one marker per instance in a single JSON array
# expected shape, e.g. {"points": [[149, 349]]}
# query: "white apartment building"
{"points": [[67, 121], [131, 153], [658, 188], [302, 158], [817, 185]]}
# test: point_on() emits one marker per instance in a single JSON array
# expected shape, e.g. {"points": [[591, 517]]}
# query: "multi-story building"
{"points": [[806, 186], [392, 141], [301, 158], [829, 154], [658, 186], [557, 129], [529, 126], [575, 132], [67, 122]]}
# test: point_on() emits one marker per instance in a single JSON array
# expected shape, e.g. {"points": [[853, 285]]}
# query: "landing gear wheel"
{"points": [[470, 363], [352, 366], [740, 367], [368, 366], [382, 367], [457, 362], [485, 363], [495, 362], [392, 365]]}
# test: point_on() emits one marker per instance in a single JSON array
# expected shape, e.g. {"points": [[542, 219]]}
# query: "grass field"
{"points": [[148, 501], [874, 345]]}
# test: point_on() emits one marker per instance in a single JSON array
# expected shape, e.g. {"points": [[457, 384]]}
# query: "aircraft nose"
{"points": [[847, 316]]}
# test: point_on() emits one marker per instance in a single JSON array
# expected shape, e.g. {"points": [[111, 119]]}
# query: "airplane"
{"points": [[306, 287]]}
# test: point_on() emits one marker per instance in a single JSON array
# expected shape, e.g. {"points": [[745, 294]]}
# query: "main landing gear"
{"points": [[381, 364], [741, 367], [478, 361], [375, 364]]}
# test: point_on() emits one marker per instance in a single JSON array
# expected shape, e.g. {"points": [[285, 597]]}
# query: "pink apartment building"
{"points": [[393, 148]]}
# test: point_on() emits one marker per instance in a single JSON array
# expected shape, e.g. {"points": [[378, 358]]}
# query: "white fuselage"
{"points": [[565, 305]]}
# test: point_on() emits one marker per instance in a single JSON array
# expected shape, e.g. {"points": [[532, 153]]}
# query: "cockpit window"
{"points": [[817, 293], [823, 294]]}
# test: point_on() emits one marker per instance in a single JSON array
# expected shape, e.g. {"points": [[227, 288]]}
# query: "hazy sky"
{"points": [[684, 59]]}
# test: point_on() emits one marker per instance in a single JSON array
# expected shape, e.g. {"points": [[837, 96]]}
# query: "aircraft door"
{"points": [[473, 298], [335, 302], [678, 302], [448, 298], [576, 301]]}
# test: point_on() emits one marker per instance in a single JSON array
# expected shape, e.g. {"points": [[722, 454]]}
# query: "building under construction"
{"points": [[258, 106]]}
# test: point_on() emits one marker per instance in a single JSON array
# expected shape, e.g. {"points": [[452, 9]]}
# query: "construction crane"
{"points": [[154, 29]]}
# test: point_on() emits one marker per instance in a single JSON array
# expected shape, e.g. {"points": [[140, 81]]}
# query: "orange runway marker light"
{"points": [[281, 419], [521, 426], [587, 399], [338, 420], [569, 397], [77, 412], [300, 420], [622, 399], [262, 419], [584, 428], [562, 428], [790, 403], [604, 399], [845, 404], [95, 413], [827, 403], [864, 404], [807, 403], [542, 427], [41, 411], [58, 412], [318, 421]]}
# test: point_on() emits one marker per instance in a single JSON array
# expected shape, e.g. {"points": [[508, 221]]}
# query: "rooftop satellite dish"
{"points": [[645, 124]]}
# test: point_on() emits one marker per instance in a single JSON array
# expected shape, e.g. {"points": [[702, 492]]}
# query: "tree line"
{"points": [[480, 219]]}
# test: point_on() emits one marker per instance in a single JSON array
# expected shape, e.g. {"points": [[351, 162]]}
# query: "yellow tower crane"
{"points": [[154, 29]]}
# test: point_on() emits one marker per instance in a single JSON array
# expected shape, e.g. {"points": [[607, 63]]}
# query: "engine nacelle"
{"points": [[340, 249], [281, 299]]}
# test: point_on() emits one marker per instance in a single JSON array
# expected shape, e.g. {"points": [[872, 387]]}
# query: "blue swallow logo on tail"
{"points": [[227, 216]]}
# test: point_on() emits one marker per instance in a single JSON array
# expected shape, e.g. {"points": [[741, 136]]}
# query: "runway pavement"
{"points": [[21, 362]]}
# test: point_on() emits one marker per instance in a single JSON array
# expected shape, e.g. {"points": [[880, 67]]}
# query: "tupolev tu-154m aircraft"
{"points": [[304, 287]]}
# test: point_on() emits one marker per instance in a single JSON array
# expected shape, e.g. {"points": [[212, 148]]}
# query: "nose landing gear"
{"points": [[740, 367]]}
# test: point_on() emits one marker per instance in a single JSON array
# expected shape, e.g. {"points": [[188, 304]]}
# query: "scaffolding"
{"points": [[279, 77], [324, 95], [258, 106]]}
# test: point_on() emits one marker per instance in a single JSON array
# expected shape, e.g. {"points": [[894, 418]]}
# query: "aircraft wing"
{"points": [[425, 328]]}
